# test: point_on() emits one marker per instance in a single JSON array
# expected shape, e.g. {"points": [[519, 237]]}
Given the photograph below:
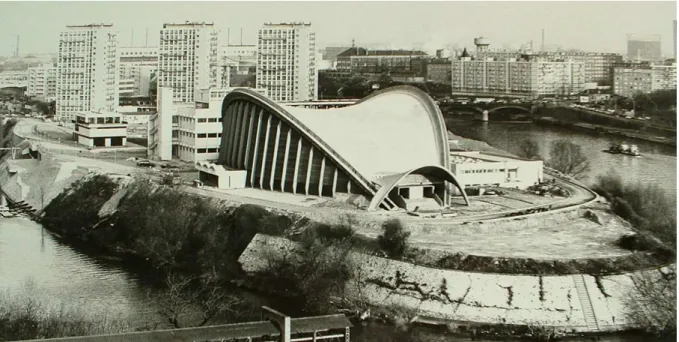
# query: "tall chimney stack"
{"points": [[542, 48]]}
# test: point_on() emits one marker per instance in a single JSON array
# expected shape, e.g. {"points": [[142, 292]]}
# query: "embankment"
{"points": [[608, 124], [205, 237], [581, 303]]}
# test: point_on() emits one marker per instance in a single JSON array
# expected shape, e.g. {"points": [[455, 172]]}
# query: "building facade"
{"points": [[511, 78], [359, 60], [644, 48], [100, 129], [87, 70], [598, 66], [42, 82], [477, 169], [189, 131], [286, 62], [137, 67], [188, 59], [14, 78], [633, 79], [439, 71]]}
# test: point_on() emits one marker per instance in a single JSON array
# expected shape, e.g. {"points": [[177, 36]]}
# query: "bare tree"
{"points": [[529, 149], [652, 303], [184, 301], [567, 157]]}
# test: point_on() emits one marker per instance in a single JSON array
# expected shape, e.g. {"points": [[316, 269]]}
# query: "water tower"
{"points": [[481, 44]]}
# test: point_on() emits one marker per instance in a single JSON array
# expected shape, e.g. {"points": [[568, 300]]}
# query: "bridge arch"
{"points": [[521, 108]]}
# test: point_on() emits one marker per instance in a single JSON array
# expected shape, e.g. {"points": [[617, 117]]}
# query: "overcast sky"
{"points": [[589, 25]]}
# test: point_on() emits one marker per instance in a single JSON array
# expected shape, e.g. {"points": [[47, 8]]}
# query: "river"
{"points": [[60, 274]]}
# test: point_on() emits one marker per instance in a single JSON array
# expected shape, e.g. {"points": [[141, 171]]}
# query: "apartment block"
{"points": [[286, 62], [644, 47], [633, 79], [42, 82], [87, 70], [188, 59], [138, 65], [360, 60], [188, 131], [511, 78]]}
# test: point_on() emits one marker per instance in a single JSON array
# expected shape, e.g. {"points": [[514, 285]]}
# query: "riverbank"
{"points": [[126, 218], [603, 130]]}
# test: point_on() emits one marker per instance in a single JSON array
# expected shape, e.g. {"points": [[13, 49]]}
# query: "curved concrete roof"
{"points": [[389, 182], [392, 131]]}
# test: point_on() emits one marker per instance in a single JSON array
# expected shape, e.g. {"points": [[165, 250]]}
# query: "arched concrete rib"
{"points": [[527, 110], [435, 116], [261, 100], [389, 182]]}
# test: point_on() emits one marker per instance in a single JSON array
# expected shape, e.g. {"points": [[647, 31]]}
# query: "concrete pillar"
{"points": [[484, 116], [244, 134], [249, 138], [254, 151], [296, 171], [275, 155], [237, 130], [320, 181], [285, 159], [308, 170], [266, 147], [228, 132], [107, 142], [334, 182]]}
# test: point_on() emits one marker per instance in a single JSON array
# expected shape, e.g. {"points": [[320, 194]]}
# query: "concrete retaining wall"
{"points": [[477, 297]]}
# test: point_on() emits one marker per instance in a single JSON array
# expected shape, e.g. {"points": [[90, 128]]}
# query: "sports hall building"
{"points": [[390, 147]]}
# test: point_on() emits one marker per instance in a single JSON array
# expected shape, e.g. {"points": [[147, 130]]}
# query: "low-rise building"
{"points": [[100, 129], [439, 71], [482, 169], [359, 60], [190, 132], [18, 78], [136, 111]]}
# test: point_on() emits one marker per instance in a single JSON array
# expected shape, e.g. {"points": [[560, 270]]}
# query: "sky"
{"points": [[599, 26]]}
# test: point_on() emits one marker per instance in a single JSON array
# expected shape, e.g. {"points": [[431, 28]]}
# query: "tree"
{"points": [[529, 149], [652, 303], [568, 158], [394, 238], [183, 296]]}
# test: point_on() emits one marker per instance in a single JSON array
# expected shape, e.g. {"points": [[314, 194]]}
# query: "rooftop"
{"points": [[358, 51]]}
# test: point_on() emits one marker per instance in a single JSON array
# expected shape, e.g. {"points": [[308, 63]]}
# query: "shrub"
{"points": [[75, 211], [394, 238]]}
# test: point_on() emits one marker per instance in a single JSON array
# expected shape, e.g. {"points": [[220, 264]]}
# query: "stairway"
{"points": [[586, 303]]}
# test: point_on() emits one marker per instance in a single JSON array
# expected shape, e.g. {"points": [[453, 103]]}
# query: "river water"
{"points": [[30, 255]]}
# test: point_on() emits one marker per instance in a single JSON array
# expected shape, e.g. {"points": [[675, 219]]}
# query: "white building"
{"points": [[100, 129], [188, 59], [87, 70], [192, 132], [137, 67], [480, 169], [286, 62], [42, 82], [12, 78]]}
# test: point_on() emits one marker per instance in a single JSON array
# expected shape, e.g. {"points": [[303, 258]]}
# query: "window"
{"points": [[202, 150], [212, 135], [201, 135], [203, 120]]}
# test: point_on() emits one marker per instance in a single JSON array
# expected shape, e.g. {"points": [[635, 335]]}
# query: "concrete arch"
{"points": [[527, 110], [390, 182], [363, 144], [261, 104]]}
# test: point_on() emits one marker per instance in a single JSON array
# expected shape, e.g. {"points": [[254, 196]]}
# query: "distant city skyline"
{"points": [[587, 25]]}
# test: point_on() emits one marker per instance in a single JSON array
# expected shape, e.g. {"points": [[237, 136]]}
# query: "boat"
{"points": [[622, 148]]}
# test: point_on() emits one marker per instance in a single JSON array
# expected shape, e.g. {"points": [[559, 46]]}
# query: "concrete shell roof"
{"points": [[392, 131]]}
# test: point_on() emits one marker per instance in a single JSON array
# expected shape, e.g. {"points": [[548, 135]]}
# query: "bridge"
{"points": [[485, 109]]}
